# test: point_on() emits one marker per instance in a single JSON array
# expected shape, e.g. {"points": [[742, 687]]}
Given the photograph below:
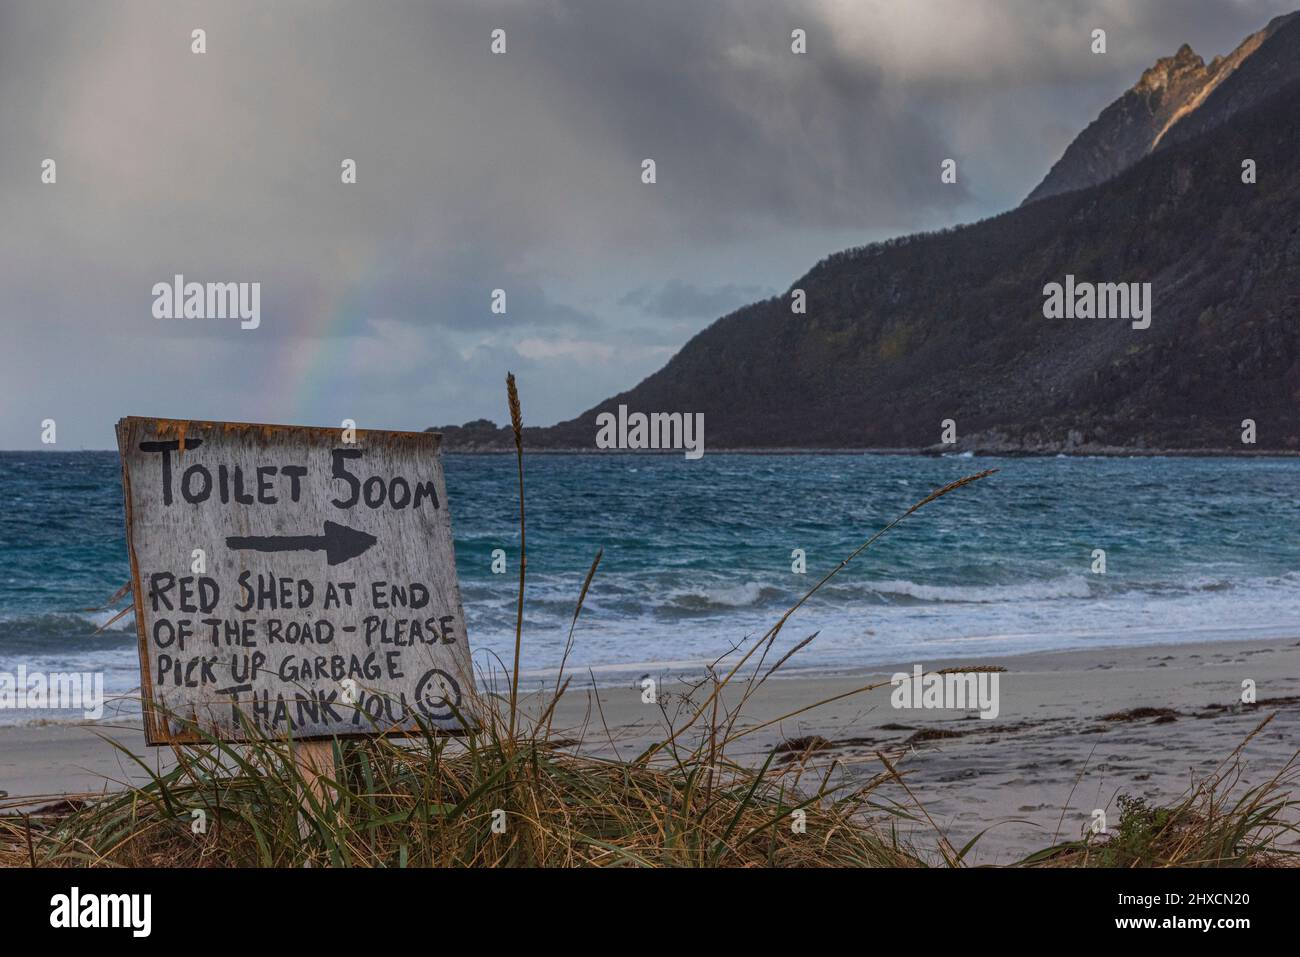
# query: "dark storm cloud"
{"points": [[478, 172], [682, 300]]}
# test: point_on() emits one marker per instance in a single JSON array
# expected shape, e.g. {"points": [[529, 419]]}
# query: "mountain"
{"points": [[1177, 98], [901, 335]]}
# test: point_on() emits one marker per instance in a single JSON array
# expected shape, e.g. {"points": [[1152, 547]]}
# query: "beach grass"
{"points": [[486, 801], [480, 801], [513, 790], [1218, 822]]}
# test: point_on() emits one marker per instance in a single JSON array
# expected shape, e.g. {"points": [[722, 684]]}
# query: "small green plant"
{"points": [[1140, 825]]}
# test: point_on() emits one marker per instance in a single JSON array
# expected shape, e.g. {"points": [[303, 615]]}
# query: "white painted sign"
{"points": [[289, 583]]}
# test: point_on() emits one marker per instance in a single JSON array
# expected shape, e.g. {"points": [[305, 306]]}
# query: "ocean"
{"points": [[698, 557]]}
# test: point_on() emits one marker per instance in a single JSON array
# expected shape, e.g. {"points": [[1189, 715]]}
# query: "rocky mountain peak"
{"points": [[1177, 91], [1182, 66]]}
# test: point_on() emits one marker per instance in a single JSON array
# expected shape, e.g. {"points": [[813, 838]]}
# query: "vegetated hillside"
{"points": [[1178, 98], [901, 335]]}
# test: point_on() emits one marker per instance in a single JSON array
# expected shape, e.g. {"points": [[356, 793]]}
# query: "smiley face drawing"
{"points": [[437, 695]]}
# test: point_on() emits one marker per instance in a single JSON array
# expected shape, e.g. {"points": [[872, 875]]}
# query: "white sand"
{"points": [[1047, 750]]}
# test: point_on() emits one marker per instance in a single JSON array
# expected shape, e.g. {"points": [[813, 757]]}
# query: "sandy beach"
{"points": [[1074, 731]]}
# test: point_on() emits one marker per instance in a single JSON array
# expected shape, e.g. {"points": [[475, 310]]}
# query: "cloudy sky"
{"points": [[477, 171]]}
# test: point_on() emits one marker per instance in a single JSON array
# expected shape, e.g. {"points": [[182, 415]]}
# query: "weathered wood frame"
{"points": [[157, 732]]}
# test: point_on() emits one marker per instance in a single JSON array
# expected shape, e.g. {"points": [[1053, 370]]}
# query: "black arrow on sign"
{"points": [[339, 543]]}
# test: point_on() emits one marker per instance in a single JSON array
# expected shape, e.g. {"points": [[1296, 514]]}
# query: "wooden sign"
{"points": [[291, 583]]}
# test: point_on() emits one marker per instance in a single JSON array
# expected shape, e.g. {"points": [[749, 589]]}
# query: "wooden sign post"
{"points": [[292, 582]]}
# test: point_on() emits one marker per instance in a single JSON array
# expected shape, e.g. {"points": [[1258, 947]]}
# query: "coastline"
{"points": [[957, 450], [1107, 452], [1075, 730]]}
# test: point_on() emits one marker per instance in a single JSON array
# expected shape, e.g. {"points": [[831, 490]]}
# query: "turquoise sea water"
{"points": [[697, 556]]}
